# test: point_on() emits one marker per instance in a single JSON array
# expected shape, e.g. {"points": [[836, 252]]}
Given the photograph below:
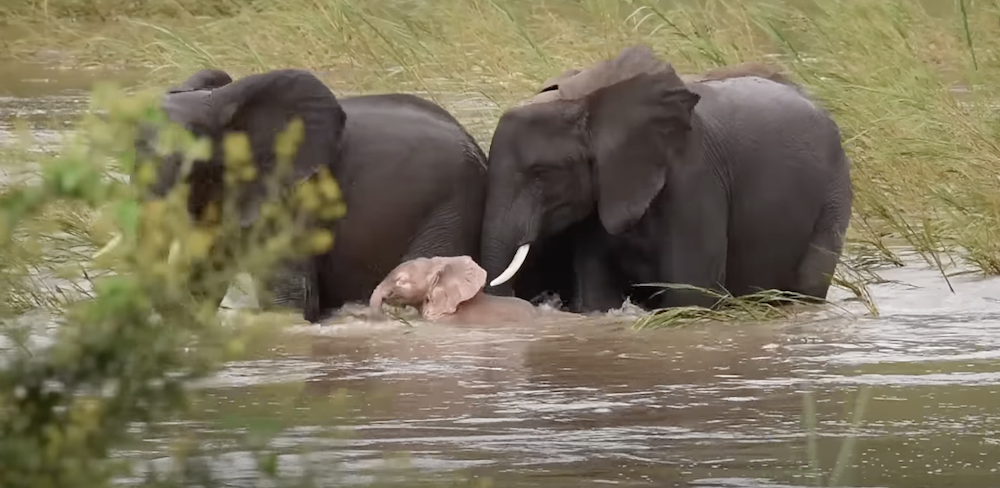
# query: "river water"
{"points": [[908, 398]]}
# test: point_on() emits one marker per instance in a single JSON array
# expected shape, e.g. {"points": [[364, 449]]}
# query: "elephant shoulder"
{"points": [[385, 129], [402, 102], [771, 120], [756, 98], [411, 117]]}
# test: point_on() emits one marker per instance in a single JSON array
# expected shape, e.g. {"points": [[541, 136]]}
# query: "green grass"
{"points": [[924, 156], [764, 305]]}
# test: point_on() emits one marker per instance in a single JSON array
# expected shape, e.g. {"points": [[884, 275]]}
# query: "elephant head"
{"points": [[603, 139], [437, 286], [204, 79], [210, 104]]}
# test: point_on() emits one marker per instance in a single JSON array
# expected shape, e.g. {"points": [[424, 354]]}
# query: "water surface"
{"points": [[592, 403]]}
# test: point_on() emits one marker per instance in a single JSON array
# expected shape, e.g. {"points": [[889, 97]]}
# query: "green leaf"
{"points": [[128, 217]]}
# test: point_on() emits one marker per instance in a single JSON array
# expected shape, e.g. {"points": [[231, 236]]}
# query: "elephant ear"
{"points": [[261, 106], [204, 79], [553, 83], [452, 281], [549, 91], [639, 127]]}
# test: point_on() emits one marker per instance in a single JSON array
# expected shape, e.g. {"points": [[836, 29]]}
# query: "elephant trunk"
{"points": [[495, 258], [378, 296], [515, 265], [506, 241]]}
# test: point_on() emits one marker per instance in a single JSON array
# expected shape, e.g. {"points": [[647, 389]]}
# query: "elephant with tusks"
{"points": [[626, 174]]}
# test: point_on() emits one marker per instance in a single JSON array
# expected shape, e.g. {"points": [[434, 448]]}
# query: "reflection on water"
{"points": [[595, 403], [45, 98], [591, 403]]}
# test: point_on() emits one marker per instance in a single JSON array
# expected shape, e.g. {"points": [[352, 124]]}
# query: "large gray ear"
{"points": [[639, 126], [204, 79], [550, 88], [553, 83], [262, 105]]}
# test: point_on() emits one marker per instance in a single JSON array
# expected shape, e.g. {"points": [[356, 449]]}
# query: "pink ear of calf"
{"points": [[457, 279]]}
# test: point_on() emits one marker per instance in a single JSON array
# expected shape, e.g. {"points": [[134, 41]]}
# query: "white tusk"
{"points": [[175, 249], [117, 239], [515, 264]]}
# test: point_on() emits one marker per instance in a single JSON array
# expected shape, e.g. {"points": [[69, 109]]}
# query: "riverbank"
{"points": [[910, 89]]}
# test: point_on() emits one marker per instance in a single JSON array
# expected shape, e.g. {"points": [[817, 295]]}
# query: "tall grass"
{"points": [[924, 154]]}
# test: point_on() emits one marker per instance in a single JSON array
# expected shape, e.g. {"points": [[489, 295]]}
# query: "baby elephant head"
{"points": [[437, 286]]}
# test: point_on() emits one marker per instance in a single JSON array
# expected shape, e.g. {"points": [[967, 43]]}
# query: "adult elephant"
{"points": [[622, 174], [412, 178]]}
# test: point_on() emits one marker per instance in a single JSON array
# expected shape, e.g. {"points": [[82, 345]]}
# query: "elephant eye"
{"points": [[543, 171]]}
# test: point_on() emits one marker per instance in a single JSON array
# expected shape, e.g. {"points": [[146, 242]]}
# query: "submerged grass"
{"points": [[760, 306], [910, 88]]}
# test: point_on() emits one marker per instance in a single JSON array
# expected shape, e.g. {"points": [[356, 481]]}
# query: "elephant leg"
{"points": [[815, 271], [285, 287], [694, 222], [596, 285], [305, 283], [316, 306], [296, 284]]}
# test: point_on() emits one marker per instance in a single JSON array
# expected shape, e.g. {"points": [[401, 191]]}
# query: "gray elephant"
{"points": [[204, 79], [412, 178], [622, 174]]}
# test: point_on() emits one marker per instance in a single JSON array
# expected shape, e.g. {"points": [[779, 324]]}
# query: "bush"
{"points": [[137, 329]]}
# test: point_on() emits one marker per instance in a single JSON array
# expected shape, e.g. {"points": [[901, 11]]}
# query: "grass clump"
{"points": [[116, 358], [755, 307]]}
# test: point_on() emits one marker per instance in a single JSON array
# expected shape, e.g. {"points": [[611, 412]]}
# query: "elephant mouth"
{"points": [[546, 267], [515, 265], [542, 271]]}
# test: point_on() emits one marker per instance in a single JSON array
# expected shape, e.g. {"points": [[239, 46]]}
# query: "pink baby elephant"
{"points": [[448, 289]]}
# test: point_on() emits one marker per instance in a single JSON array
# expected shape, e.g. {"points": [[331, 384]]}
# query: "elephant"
{"points": [[412, 179], [622, 175], [204, 79], [549, 92], [449, 289]]}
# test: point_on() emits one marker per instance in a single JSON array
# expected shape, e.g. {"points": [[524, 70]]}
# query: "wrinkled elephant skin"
{"points": [[412, 179], [735, 180]]}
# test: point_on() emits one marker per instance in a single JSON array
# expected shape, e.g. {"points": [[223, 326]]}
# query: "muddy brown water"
{"points": [[908, 398]]}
